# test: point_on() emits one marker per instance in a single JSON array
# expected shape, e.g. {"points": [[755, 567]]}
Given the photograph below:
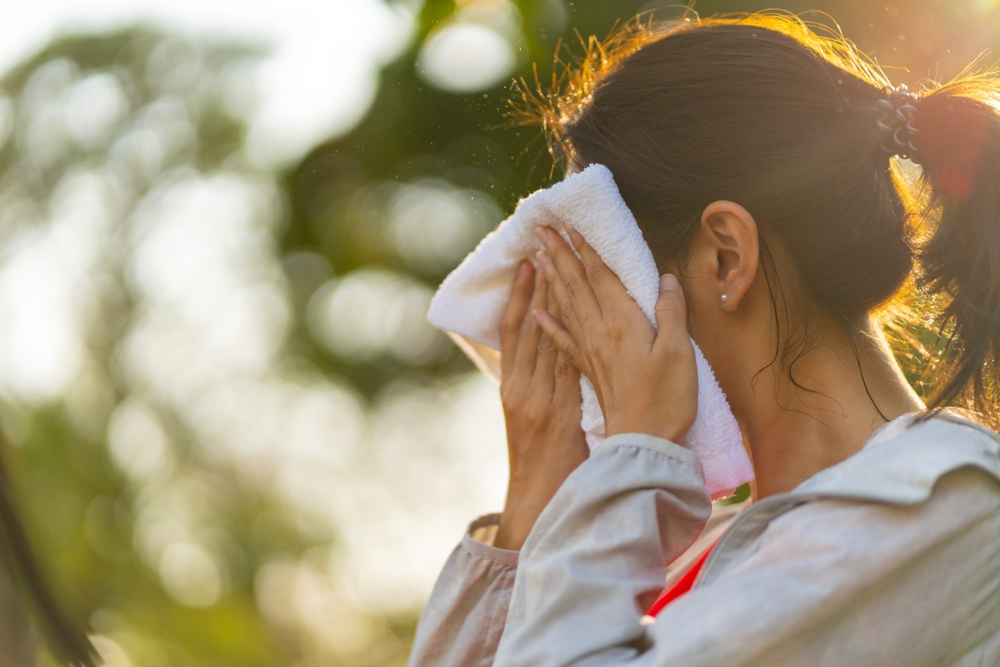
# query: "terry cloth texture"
{"points": [[471, 300]]}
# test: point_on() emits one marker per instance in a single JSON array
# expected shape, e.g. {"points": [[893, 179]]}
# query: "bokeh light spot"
{"points": [[466, 58], [373, 311], [93, 106], [433, 225], [137, 440], [191, 575]]}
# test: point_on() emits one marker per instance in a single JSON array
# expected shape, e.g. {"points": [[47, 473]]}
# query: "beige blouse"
{"points": [[891, 557]]}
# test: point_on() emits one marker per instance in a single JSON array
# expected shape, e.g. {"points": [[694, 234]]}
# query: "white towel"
{"points": [[471, 300]]}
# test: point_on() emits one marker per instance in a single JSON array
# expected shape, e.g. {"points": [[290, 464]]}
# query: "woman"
{"points": [[757, 159]]}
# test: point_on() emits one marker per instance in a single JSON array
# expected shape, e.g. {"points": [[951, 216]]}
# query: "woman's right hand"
{"points": [[540, 391], [646, 379]]}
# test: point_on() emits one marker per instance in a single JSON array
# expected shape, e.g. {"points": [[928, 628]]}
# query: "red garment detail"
{"points": [[681, 586]]}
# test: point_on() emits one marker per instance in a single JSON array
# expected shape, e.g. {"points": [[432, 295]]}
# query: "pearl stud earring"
{"points": [[724, 298]]}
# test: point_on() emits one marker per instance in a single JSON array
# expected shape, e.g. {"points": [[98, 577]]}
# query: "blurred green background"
{"points": [[233, 435]]}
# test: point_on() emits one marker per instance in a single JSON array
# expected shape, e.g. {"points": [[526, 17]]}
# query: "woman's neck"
{"points": [[795, 431]]}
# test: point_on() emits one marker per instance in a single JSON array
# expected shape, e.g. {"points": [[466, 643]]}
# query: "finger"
{"points": [[562, 339], [544, 376], [530, 331], [565, 375], [606, 285], [572, 274], [554, 308], [567, 381], [510, 322], [671, 314], [568, 315]]}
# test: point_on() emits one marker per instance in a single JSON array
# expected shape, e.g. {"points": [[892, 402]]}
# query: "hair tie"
{"points": [[896, 122]]}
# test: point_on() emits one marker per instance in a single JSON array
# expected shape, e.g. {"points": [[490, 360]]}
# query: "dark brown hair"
{"points": [[766, 111]]}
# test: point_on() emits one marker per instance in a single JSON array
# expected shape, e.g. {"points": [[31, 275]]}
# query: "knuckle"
{"points": [[513, 405], [669, 348], [545, 345], [668, 309], [673, 347], [593, 268], [528, 327], [532, 414], [573, 285], [508, 325], [562, 369], [566, 311], [576, 356]]}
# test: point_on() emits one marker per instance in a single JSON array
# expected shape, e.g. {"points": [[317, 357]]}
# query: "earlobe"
{"points": [[732, 232]]}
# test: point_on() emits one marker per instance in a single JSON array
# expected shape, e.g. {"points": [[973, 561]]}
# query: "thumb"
{"points": [[671, 311]]}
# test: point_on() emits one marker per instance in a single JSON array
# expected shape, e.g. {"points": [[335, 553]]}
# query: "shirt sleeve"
{"points": [[463, 619], [599, 547], [832, 582]]}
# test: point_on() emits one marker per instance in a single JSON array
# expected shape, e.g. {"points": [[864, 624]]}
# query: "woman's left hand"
{"points": [[540, 393], [646, 380]]}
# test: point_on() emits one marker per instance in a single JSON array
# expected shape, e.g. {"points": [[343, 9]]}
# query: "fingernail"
{"points": [[668, 283], [522, 268], [543, 258], [537, 314], [543, 233]]}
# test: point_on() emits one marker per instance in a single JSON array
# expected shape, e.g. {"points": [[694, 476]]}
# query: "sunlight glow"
{"points": [[318, 79]]}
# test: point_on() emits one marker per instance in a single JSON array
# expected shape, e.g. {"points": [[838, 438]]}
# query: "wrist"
{"points": [[672, 432], [511, 533], [516, 521]]}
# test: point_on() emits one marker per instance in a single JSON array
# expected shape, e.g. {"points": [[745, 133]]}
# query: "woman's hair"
{"points": [[765, 111]]}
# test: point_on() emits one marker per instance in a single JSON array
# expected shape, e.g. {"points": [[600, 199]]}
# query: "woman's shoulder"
{"points": [[941, 426], [916, 482], [904, 460]]}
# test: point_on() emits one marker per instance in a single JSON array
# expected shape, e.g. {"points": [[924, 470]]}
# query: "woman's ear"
{"points": [[730, 245]]}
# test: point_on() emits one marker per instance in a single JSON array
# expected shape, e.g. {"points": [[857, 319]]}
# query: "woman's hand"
{"points": [[540, 391], [646, 380]]}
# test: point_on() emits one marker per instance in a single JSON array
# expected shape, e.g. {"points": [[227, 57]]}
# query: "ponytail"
{"points": [[959, 151]]}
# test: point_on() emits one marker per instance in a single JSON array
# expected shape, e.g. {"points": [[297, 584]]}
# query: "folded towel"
{"points": [[471, 301]]}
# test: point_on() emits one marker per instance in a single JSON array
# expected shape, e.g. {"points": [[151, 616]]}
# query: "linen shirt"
{"points": [[891, 557]]}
